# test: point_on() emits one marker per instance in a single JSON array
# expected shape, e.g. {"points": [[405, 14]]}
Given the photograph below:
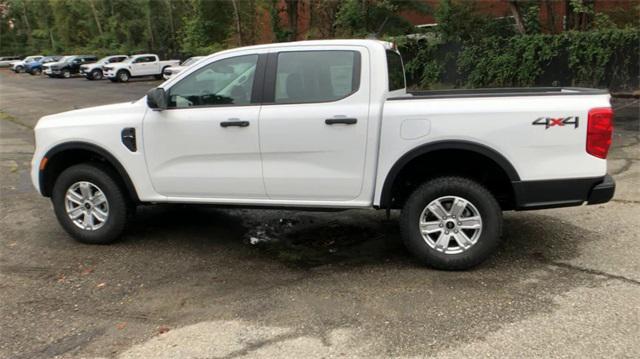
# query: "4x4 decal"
{"points": [[560, 121]]}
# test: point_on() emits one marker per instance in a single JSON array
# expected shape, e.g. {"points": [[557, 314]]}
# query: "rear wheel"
{"points": [[451, 223], [19, 69], [96, 74], [89, 204], [36, 71], [66, 73]]}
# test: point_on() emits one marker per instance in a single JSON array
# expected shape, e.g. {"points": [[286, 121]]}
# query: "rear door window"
{"points": [[316, 76]]}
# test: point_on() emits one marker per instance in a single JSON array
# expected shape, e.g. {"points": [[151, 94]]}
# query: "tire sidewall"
{"points": [[102, 178], [477, 195], [122, 76], [66, 74], [96, 75]]}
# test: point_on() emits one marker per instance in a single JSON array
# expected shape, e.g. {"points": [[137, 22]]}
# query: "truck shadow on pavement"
{"points": [[312, 239]]}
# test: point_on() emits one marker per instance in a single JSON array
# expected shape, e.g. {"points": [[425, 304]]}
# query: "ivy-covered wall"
{"points": [[607, 58]]}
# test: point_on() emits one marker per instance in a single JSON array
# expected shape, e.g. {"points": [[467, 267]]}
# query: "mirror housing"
{"points": [[157, 99]]}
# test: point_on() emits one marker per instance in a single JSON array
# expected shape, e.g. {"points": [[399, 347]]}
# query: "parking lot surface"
{"points": [[203, 282]]}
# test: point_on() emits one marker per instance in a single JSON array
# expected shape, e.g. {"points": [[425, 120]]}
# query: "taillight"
{"points": [[599, 131]]}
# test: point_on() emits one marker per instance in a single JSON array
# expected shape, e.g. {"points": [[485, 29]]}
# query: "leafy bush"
{"points": [[601, 58]]}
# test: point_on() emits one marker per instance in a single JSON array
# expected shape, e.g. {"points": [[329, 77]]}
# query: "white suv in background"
{"points": [[93, 71]]}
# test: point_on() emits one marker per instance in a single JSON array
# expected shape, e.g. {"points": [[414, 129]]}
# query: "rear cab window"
{"points": [[395, 71]]}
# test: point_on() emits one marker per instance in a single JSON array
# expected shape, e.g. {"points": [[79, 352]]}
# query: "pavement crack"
{"points": [[594, 272], [624, 200], [251, 347]]}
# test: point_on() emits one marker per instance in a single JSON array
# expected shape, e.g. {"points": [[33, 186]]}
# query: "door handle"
{"points": [[344, 121], [234, 123]]}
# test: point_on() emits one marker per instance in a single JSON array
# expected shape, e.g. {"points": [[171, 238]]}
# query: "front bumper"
{"points": [[563, 193]]}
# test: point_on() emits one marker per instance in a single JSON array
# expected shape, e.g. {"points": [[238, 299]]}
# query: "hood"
{"points": [[92, 115], [57, 63]]}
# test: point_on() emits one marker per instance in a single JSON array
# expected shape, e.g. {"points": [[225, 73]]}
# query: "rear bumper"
{"points": [[563, 193]]}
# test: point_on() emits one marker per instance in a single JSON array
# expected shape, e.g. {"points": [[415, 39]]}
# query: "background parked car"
{"points": [[35, 67], [18, 66], [172, 70], [67, 66], [5, 61], [94, 71]]}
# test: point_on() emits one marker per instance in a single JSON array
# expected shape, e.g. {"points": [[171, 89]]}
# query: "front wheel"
{"points": [[451, 223], [96, 75], [19, 69], [89, 204], [123, 76], [35, 72], [66, 73]]}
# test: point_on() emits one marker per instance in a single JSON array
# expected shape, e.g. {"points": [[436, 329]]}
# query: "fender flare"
{"points": [[500, 160], [109, 158]]}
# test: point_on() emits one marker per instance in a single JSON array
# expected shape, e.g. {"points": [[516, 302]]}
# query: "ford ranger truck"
{"points": [[329, 125], [138, 66]]}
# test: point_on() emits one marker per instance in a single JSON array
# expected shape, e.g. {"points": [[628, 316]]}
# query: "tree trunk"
{"points": [[568, 16], [517, 15], [292, 15], [150, 27], [96, 17], [26, 23], [551, 17], [172, 36], [236, 14]]}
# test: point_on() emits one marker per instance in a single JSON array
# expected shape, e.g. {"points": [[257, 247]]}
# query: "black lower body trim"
{"points": [[563, 193]]}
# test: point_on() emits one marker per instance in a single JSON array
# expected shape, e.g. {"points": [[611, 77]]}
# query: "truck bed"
{"points": [[500, 92]]}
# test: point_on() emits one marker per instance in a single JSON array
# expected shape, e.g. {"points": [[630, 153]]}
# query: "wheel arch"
{"points": [[68, 154], [390, 182]]}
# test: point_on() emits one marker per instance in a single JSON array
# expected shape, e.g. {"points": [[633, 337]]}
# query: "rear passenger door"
{"points": [[144, 65], [313, 123]]}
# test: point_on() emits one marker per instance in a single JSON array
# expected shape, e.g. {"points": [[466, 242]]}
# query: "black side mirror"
{"points": [[157, 99]]}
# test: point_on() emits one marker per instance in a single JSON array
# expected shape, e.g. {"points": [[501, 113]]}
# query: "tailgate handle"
{"points": [[344, 121], [234, 122]]}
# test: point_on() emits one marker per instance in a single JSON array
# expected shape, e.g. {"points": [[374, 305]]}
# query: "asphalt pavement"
{"points": [[203, 282]]}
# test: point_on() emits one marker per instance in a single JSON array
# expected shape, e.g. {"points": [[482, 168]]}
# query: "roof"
{"points": [[352, 42]]}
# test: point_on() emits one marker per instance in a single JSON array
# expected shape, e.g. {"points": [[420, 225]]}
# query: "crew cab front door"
{"points": [[313, 123], [206, 145]]}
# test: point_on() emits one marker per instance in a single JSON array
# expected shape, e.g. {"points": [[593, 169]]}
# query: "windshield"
{"points": [[191, 60], [106, 59], [67, 59]]}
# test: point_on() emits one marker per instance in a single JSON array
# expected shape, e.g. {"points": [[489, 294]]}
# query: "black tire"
{"points": [[66, 73], [96, 74], [19, 69], [485, 203], [123, 76], [106, 181], [160, 77]]}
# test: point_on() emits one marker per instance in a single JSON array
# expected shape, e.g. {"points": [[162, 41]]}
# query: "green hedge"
{"points": [[603, 58]]}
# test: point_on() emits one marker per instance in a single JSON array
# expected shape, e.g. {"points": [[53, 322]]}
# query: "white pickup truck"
{"points": [[329, 125], [137, 66]]}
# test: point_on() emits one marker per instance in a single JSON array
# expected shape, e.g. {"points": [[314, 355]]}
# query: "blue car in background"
{"points": [[35, 67]]}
